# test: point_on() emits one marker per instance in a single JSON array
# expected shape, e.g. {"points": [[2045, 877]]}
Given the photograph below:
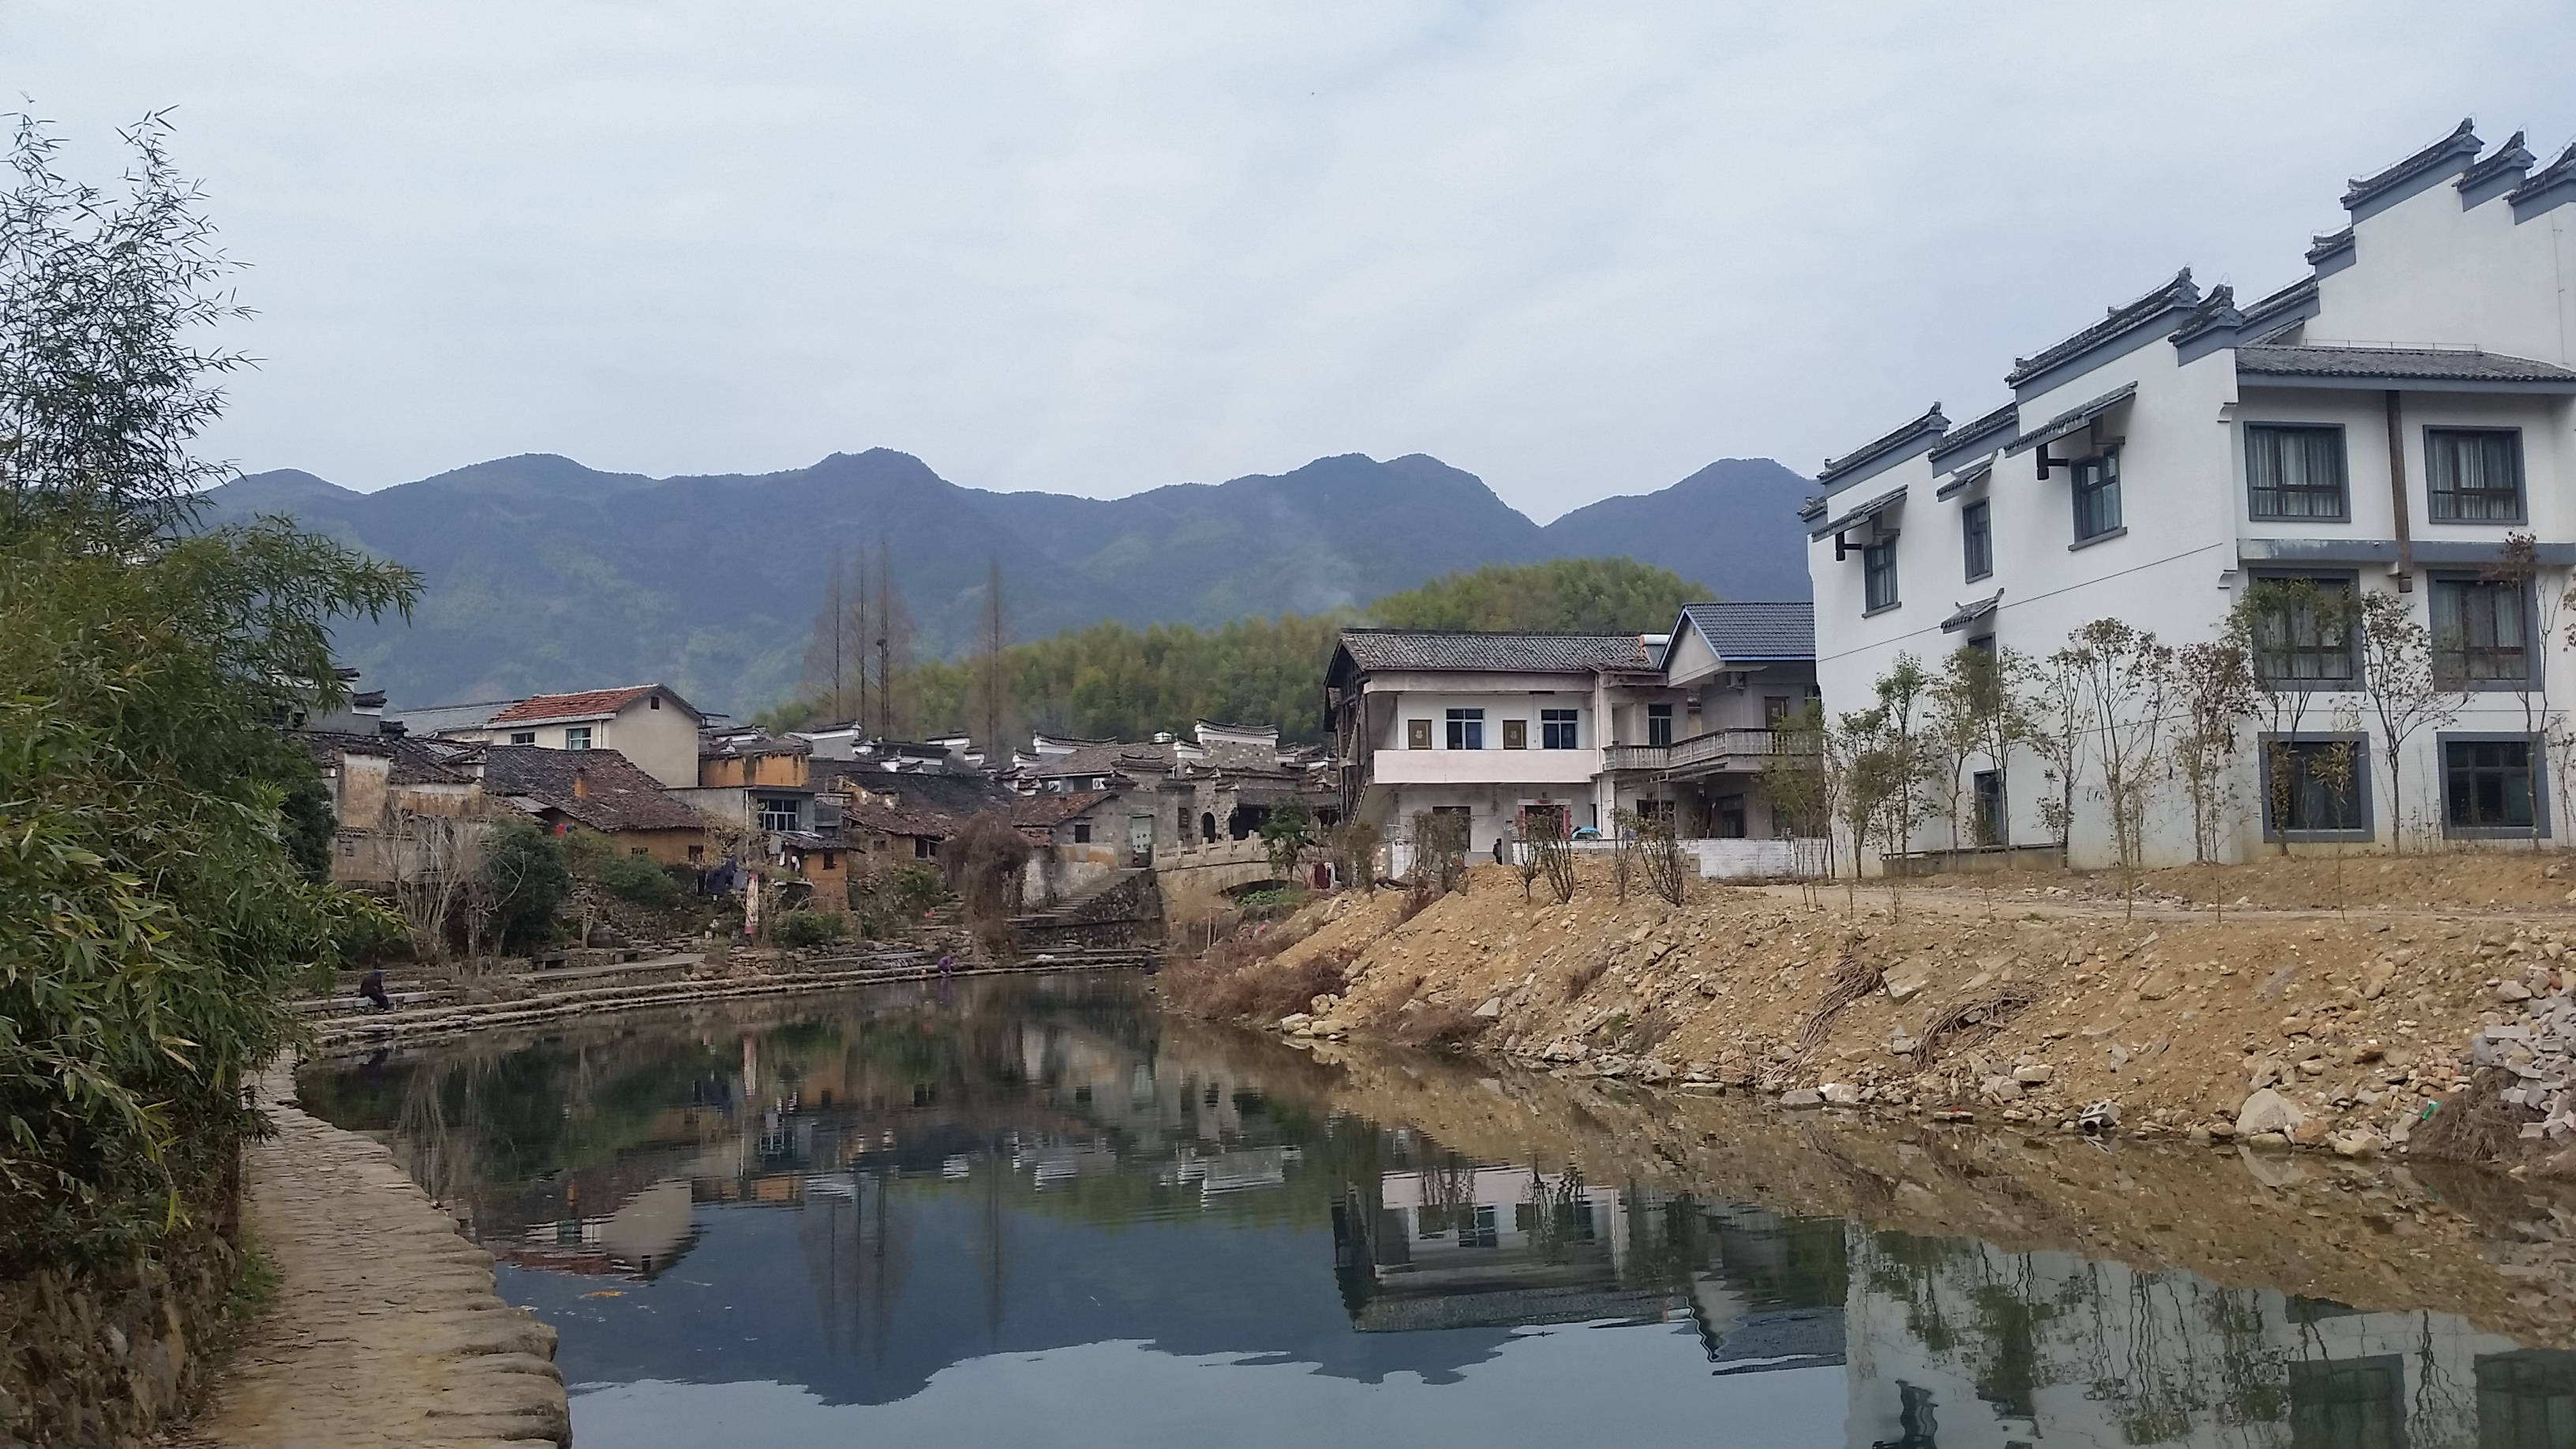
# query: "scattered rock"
{"points": [[1906, 982], [1802, 1097], [1490, 1008], [2357, 1144], [2158, 986], [2512, 991], [2267, 1111], [1839, 1094], [1294, 1021], [2034, 1075]]}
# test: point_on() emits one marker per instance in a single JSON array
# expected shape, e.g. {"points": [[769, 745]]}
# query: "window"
{"points": [[1466, 729], [523, 737], [2355, 1401], [1982, 643], [830, 861], [1878, 576], [639, 850], [1775, 711], [2316, 787], [657, 701], [2479, 636], [1417, 734], [2490, 786], [1543, 822], [1516, 734], [697, 852], [2527, 1397], [1082, 832], [1988, 788], [2294, 472], [1977, 537], [1556, 730], [924, 848], [1659, 724], [777, 812], [577, 738], [1655, 812], [2474, 475], [2304, 637], [2097, 495]]}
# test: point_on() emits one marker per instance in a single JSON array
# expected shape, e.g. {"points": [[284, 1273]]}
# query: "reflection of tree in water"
{"points": [[857, 1246], [2446, 1410], [1560, 1213]]}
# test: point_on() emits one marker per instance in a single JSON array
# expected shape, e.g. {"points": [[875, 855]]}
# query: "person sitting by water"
{"points": [[372, 987]]}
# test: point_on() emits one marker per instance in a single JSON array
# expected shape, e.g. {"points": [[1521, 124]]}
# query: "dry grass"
{"points": [[1244, 979], [1433, 1025]]}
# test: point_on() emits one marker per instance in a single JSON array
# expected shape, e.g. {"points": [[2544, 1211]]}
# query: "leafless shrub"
{"points": [[1435, 1025], [984, 861], [1853, 979], [1970, 1021], [2476, 1125], [1666, 864], [1439, 855], [1238, 981]]}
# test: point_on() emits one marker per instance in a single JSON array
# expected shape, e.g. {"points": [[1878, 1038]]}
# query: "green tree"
{"points": [[152, 919], [1564, 596], [1285, 832]]}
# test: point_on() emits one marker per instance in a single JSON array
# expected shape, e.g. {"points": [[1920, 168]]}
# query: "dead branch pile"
{"points": [[1853, 979], [1967, 1022]]}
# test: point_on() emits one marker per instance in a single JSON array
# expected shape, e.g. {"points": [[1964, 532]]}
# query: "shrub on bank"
{"points": [[811, 928]]}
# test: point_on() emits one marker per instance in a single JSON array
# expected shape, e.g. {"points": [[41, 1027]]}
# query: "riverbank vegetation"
{"points": [[155, 909]]}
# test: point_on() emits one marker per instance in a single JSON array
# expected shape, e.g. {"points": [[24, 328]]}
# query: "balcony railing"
{"points": [[1714, 751]]}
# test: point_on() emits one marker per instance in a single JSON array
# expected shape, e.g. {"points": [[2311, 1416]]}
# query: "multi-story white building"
{"points": [[1506, 729], [2383, 424]]}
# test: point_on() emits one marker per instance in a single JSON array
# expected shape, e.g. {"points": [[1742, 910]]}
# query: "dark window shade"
{"points": [[2474, 475], [2294, 472]]}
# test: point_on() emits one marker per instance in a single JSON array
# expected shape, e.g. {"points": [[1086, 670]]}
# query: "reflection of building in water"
{"points": [[1964, 1344]]}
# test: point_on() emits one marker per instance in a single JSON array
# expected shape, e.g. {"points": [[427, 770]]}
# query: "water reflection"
{"points": [[917, 1210]]}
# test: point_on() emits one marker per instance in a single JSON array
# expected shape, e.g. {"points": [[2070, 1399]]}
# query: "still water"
{"points": [[1036, 1212]]}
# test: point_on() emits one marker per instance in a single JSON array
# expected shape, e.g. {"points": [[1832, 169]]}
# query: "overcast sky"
{"points": [[1578, 249]]}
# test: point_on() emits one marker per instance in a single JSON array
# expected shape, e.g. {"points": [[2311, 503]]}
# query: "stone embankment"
{"points": [[674, 980], [385, 1329], [2279, 1026]]}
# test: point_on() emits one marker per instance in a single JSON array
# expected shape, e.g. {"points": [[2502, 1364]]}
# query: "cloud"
{"points": [[1577, 249]]}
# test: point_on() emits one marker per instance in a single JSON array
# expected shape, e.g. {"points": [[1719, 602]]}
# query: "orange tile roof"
{"points": [[588, 704]]}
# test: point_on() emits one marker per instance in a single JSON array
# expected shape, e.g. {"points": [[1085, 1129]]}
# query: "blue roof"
{"points": [[1750, 632]]}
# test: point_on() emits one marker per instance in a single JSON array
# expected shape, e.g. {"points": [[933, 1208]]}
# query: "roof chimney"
{"points": [[580, 783]]}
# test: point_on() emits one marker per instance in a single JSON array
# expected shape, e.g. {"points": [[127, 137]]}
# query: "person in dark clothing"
{"points": [[372, 987]]}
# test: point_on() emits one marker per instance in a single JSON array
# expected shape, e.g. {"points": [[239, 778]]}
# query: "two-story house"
{"points": [[650, 724], [1518, 732], [2383, 424]]}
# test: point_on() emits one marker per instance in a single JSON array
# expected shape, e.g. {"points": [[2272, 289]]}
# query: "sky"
{"points": [[1578, 249]]}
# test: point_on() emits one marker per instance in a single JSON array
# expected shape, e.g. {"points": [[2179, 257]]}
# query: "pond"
{"points": [[1035, 1211]]}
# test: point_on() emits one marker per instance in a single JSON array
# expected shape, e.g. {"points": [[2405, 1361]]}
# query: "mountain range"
{"points": [[540, 574]]}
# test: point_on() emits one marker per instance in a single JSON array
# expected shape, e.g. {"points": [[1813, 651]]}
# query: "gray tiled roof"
{"points": [[2425, 364], [612, 793], [2178, 293], [2460, 145], [1993, 430], [1372, 649], [1925, 429], [1749, 631]]}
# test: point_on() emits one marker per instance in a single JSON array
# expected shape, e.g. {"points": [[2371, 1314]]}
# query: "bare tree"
{"points": [[992, 664], [1977, 713], [2213, 694], [893, 640], [1797, 783], [2057, 735], [436, 859], [2405, 691], [2519, 567], [2127, 679]]}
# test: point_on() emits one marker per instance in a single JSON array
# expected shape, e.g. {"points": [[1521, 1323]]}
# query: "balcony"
{"points": [[1717, 752], [1484, 767]]}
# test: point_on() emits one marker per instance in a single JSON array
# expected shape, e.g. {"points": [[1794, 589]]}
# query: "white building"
{"points": [[1512, 730], [2383, 423]]}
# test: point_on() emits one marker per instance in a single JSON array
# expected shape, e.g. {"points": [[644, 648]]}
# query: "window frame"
{"points": [[2254, 510], [1550, 721], [1659, 715], [2435, 495], [2536, 770], [1466, 729], [2439, 579], [2092, 478], [1877, 564], [2350, 682], [523, 737], [583, 742], [2364, 803], [763, 811], [1977, 538]]}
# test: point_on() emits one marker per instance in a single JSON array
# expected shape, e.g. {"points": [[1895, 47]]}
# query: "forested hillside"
{"points": [[541, 574], [1115, 681]]}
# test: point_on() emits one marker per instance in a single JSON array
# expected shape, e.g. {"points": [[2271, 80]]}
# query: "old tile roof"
{"points": [[2414, 364], [2513, 157], [1508, 653], [1756, 631], [1981, 436], [614, 794], [586, 704], [1111, 757], [2176, 294], [2068, 421], [413, 762], [1045, 812], [2264, 311], [2322, 247], [1854, 517], [2558, 173]]}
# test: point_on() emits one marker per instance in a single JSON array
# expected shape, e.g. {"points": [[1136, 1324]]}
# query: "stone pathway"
{"points": [[386, 1330]]}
